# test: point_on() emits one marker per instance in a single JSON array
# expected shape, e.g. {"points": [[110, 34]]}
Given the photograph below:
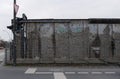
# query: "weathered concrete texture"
{"points": [[31, 37], [47, 53], [62, 43], [77, 42], [117, 49], [116, 36], [70, 42], [105, 46], [18, 47]]}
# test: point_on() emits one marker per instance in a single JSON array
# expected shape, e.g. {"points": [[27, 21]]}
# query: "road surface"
{"points": [[52, 72], [8, 72]]}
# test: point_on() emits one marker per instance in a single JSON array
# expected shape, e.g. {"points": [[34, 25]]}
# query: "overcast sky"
{"points": [[73, 9]]}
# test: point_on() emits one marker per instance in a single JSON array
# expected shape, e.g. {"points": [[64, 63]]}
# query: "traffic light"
{"points": [[19, 24], [10, 27]]}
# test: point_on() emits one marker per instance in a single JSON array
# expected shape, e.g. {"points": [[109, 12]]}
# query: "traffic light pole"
{"points": [[14, 35]]}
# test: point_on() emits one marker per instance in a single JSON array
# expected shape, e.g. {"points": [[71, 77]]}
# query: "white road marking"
{"points": [[110, 72], [59, 75], [83, 72], [44, 73], [69, 72], [30, 70], [96, 72]]}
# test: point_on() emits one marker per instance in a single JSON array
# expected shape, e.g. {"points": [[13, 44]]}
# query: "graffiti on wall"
{"points": [[61, 29], [74, 28], [46, 30]]}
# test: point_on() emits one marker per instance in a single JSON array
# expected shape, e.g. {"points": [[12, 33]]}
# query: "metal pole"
{"points": [[14, 36], [22, 43]]}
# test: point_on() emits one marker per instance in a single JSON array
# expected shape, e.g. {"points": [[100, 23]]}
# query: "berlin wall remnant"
{"points": [[69, 40]]}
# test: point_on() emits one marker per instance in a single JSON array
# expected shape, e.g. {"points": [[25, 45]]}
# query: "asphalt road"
{"points": [[9, 72], [85, 72]]}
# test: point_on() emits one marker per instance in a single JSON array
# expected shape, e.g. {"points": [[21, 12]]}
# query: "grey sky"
{"points": [[57, 9]]}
